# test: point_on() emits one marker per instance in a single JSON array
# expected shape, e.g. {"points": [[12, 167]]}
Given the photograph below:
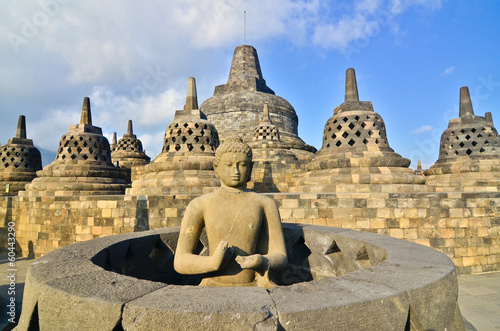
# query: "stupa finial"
{"points": [[419, 166], [465, 102], [129, 128], [351, 87], [191, 98], [265, 114], [113, 140], [489, 118], [21, 127], [86, 114]]}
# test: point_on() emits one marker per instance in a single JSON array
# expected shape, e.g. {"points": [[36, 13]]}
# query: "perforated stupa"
{"points": [[469, 153], [128, 150], [19, 161], [185, 165], [356, 156], [82, 166]]}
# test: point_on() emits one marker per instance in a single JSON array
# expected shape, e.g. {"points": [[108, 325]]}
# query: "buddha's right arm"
{"points": [[185, 261]]}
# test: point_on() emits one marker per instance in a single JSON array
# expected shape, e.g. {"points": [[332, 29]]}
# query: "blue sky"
{"points": [[133, 59]]}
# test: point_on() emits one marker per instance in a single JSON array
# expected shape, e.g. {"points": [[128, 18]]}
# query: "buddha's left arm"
{"points": [[276, 253]]}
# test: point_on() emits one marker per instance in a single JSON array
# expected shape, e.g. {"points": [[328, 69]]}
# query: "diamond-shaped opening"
{"points": [[467, 137], [338, 143], [356, 118], [12, 159], [377, 141], [196, 139], [345, 134], [81, 138], [479, 135], [462, 131], [6, 165], [70, 150], [482, 150], [462, 144], [333, 248], [339, 127], [474, 143], [205, 127], [173, 139], [176, 125], [91, 150], [184, 139], [73, 156], [370, 132], [16, 165], [365, 141], [63, 156], [85, 156], [90, 138], [196, 125], [351, 126], [189, 131], [79, 150], [202, 132], [327, 145], [17, 153], [345, 119], [456, 152], [202, 148], [468, 151], [186, 125], [329, 129], [177, 147], [335, 121], [96, 157], [357, 133], [368, 117], [190, 147], [334, 136], [473, 130], [71, 137], [486, 142], [362, 254], [351, 142]]}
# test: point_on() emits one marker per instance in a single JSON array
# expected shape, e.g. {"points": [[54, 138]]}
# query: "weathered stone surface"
{"points": [[128, 152], [202, 308]]}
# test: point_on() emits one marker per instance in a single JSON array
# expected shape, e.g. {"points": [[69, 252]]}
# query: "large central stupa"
{"points": [[236, 107]]}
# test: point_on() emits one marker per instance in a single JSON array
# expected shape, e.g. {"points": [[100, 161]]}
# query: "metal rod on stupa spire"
{"points": [[191, 97], [351, 87], [465, 102], [86, 114], [129, 128], [21, 127]]}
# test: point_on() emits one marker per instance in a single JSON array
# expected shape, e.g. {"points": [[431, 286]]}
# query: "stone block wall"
{"points": [[464, 226]]}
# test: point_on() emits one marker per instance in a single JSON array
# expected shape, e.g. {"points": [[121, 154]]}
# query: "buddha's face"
{"points": [[234, 169]]}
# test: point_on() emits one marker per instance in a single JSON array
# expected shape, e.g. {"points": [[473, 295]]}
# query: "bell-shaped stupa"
{"points": [[128, 151], [82, 166], [236, 106], [185, 165], [469, 154], [274, 165], [19, 161], [356, 156]]}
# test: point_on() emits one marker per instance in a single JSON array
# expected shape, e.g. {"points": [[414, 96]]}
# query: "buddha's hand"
{"points": [[255, 262], [222, 253]]}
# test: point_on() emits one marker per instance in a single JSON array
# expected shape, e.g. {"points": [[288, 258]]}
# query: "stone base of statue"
{"points": [[336, 278]]}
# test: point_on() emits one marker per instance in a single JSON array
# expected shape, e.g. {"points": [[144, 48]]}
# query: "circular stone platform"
{"points": [[338, 279]]}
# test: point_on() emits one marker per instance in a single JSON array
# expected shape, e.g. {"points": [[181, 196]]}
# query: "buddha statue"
{"points": [[245, 238]]}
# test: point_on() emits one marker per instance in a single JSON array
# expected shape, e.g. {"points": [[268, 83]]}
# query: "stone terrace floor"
{"points": [[479, 295]]}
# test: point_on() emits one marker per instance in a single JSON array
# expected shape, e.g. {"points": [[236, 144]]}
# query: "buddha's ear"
{"points": [[215, 170], [250, 168]]}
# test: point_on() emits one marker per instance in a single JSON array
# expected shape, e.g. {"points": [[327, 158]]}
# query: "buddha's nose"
{"points": [[236, 171]]}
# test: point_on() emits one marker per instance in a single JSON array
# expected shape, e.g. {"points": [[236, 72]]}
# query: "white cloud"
{"points": [[448, 71], [423, 128]]}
